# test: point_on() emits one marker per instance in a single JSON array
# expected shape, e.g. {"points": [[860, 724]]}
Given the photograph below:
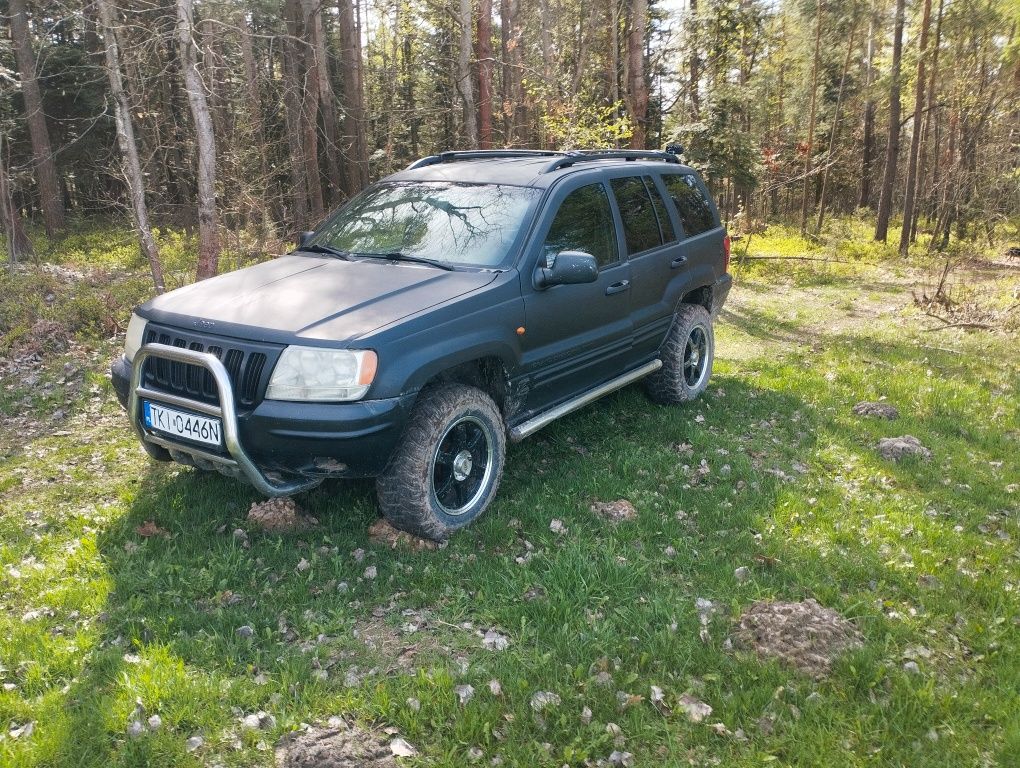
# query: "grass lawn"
{"points": [[770, 471]]}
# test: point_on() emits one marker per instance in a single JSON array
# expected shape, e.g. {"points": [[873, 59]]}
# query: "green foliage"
{"points": [[584, 125]]}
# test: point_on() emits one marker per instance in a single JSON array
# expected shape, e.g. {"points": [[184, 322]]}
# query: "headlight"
{"points": [[135, 335], [313, 373]]}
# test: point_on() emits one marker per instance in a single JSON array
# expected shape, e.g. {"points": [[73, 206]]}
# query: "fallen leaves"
{"points": [[542, 700], [382, 533], [695, 709], [148, 529]]}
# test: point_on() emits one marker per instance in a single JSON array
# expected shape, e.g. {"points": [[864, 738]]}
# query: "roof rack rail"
{"points": [[481, 154], [587, 155]]}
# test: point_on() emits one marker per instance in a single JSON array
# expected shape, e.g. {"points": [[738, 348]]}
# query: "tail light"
{"points": [[726, 253]]}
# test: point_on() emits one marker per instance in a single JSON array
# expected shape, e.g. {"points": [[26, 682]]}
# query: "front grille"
{"points": [[248, 363]]}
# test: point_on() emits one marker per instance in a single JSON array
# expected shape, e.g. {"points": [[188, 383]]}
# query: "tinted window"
{"points": [[640, 225], [695, 212], [584, 222], [456, 223], [665, 225]]}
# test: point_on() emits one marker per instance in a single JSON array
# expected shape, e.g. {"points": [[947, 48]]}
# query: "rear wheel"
{"points": [[687, 356], [447, 468]]}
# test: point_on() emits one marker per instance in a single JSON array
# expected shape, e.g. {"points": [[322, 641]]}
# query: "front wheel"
{"points": [[448, 465], [687, 356]]}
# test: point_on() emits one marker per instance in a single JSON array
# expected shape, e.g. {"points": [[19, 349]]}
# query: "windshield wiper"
{"points": [[398, 256], [326, 249]]}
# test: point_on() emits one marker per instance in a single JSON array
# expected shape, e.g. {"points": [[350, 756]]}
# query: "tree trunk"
{"points": [[931, 116], [126, 139], [354, 98], [834, 129], [318, 66], [292, 120], [614, 58], [506, 77], [811, 118], [307, 94], [868, 148], [50, 197], [464, 79], [636, 94], [18, 244], [915, 137], [483, 52], [694, 80], [205, 140], [892, 148]]}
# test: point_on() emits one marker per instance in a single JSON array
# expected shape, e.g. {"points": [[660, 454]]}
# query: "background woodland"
{"points": [[225, 118]]}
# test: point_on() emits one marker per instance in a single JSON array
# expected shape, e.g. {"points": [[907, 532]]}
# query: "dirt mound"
{"points": [[878, 410], [614, 511], [279, 516], [895, 448], [381, 532], [804, 635], [339, 745]]}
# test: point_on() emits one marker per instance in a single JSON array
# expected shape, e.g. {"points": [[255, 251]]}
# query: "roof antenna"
{"points": [[674, 148]]}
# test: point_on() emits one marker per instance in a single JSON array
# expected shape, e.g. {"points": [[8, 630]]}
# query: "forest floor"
{"points": [[146, 621]]}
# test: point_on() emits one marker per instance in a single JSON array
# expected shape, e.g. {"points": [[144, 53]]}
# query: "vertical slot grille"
{"points": [[246, 367]]}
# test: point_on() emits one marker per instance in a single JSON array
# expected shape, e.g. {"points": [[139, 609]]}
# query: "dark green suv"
{"points": [[471, 298]]}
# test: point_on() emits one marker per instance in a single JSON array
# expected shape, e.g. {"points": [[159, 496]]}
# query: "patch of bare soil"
{"points": [[618, 511], [877, 410], [895, 448], [804, 635], [337, 745], [382, 533], [279, 516], [396, 648]]}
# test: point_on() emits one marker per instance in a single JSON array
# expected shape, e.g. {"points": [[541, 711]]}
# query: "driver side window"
{"points": [[584, 222]]}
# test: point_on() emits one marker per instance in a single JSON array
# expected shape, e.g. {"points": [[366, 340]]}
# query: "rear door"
{"points": [[654, 253], [701, 233], [576, 336]]}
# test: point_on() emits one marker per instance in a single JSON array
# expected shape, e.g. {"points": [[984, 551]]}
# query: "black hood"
{"points": [[311, 298]]}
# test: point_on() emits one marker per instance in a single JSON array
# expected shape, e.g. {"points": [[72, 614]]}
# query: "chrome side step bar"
{"points": [[239, 462], [534, 424]]}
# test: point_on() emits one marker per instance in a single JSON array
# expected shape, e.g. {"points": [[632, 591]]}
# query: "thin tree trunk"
{"points": [[915, 137], [507, 103], [292, 121], [205, 139], [464, 79], [318, 66], [834, 129], [892, 148], [811, 118], [354, 98], [930, 116], [868, 148], [18, 244], [694, 80], [126, 139], [307, 95], [636, 94], [50, 197], [483, 52]]}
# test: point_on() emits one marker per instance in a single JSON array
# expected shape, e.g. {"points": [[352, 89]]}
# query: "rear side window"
{"points": [[584, 222], [640, 224], [691, 203]]}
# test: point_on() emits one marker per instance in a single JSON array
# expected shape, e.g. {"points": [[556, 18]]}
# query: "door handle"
{"points": [[679, 261], [619, 287]]}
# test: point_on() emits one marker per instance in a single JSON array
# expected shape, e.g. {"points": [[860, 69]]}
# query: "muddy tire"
{"points": [[687, 355], [447, 467]]}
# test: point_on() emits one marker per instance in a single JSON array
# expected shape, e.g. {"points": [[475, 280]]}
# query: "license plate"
{"points": [[187, 425]]}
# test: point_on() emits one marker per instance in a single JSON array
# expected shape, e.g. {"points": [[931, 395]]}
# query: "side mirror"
{"points": [[567, 268], [304, 238]]}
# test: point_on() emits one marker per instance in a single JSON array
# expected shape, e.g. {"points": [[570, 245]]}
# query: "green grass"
{"points": [[922, 555]]}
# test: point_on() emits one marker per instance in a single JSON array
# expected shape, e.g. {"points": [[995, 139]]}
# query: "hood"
{"points": [[311, 298]]}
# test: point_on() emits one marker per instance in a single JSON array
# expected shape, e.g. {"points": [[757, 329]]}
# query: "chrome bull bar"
{"points": [[238, 463]]}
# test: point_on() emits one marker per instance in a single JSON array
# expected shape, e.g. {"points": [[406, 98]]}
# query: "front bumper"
{"points": [[279, 447]]}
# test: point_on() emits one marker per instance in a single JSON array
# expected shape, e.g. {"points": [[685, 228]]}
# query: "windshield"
{"points": [[471, 224]]}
